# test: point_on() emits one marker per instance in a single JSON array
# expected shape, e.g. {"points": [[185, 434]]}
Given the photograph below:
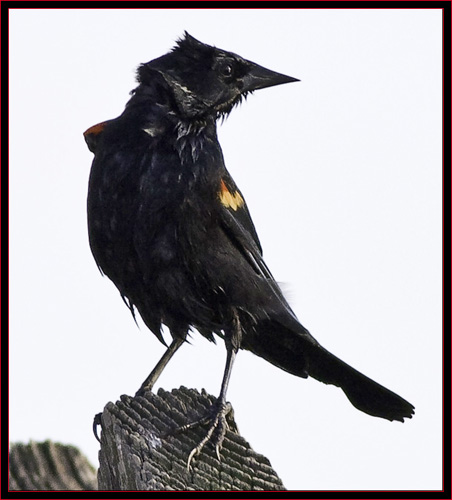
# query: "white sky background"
{"points": [[342, 174]]}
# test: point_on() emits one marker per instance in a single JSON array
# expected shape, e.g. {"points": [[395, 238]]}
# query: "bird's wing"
{"points": [[238, 225]]}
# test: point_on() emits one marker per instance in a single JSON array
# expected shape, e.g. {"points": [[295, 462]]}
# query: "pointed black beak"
{"points": [[259, 77]]}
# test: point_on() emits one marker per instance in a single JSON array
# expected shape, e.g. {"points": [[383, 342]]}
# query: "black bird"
{"points": [[168, 225]]}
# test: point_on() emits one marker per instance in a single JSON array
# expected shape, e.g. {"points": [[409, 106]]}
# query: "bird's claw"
{"points": [[193, 452], [217, 451], [96, 422], [218, 425]]}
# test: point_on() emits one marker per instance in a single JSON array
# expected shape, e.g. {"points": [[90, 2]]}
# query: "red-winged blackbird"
{"points": [[168, 225]]}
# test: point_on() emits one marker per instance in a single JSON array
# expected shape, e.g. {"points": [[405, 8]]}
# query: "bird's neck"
{"points": [[193, 136], [158, 111]]}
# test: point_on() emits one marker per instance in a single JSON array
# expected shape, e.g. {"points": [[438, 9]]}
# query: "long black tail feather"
{"points": [[364, 393], [300, 354]]}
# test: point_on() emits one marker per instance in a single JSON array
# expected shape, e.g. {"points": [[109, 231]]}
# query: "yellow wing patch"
{"points": [[228, 199]]}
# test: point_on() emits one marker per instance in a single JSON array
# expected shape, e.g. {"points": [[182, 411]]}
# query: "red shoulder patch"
{"points": [[92, 134], [96, 129]]}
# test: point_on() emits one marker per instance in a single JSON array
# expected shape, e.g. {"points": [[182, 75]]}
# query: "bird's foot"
{"points": [[216, 431]]}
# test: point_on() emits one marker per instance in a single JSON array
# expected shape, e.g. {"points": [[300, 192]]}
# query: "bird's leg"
{"points": [[217, 422], [150, 380], [154, 375]]}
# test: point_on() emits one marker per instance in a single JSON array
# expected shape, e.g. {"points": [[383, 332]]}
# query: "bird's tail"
{"points": [[300, 354], [364, 393]]}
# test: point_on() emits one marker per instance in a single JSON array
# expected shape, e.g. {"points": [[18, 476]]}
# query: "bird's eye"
{"points": [[227, 70]]}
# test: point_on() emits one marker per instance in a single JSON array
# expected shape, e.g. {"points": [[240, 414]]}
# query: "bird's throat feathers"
{"points": [[192, 137]]}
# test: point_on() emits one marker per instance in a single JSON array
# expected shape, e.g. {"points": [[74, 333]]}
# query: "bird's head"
{"points": [[205, 80]]}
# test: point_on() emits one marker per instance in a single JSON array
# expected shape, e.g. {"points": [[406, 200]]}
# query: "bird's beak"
{"points": [[259, 77]]}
